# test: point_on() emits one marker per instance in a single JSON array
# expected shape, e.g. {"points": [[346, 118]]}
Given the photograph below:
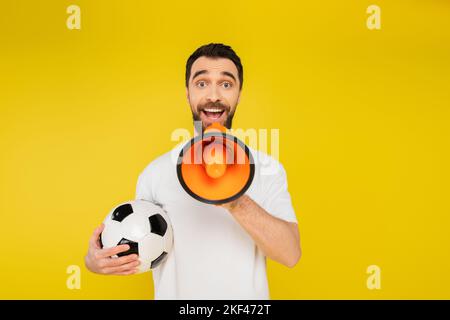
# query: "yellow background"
{"points": [[363, 118]]}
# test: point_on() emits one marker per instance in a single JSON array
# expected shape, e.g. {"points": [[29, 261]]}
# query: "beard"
{"points": [[227, 122]]}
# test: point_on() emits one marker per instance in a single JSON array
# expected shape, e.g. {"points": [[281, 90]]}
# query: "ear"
{"points": [[239, 98], [187, 94]]}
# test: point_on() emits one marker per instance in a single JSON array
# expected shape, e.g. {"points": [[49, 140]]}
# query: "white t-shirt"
{"points": [[213, 257]]}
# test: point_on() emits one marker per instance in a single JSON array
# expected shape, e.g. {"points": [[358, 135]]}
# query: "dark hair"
{"points": [[215, 50]]}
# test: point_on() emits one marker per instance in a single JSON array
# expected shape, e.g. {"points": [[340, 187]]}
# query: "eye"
{"points": [[227, 85], [201, 84]]}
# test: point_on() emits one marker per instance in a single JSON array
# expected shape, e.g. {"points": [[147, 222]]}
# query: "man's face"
{"points": [[213, 91]]}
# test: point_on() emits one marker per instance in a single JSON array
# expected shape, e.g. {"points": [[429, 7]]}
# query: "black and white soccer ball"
{"points": [[145, 227]]}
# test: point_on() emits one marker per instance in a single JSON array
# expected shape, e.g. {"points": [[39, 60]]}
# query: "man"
{"points": [[220, 251]]}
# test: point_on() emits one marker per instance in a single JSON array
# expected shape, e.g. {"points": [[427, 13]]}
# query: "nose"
{"points": [[213, 94]]}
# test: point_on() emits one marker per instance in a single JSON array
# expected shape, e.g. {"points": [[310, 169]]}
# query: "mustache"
{"points": [[216, 105]]}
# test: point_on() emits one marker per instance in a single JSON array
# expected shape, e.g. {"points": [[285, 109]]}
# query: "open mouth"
{"points": [[213, 114]]}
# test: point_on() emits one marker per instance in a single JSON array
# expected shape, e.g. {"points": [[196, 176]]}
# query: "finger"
{"points": [[98, 240], [117, 262], [95, 238], [105, 253], [123, 268], [127, 273]]}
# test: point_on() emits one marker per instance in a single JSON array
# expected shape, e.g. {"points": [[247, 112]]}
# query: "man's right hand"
{"points": [[100, 260]]}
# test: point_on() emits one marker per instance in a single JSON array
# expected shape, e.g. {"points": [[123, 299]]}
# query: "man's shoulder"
{"points": [[266, 165], [262, 155], [162, 163]]}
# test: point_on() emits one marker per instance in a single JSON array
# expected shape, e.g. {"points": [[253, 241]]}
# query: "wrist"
{"points": [[237, 205]]}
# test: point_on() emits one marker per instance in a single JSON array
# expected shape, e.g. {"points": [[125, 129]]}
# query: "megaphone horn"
{"points": [[215, 167]]}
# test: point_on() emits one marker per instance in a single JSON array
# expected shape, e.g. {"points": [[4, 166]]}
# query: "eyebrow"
{"points": [[225, 73]]}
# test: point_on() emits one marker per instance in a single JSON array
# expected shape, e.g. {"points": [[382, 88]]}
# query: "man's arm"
{"points": [[278, 239]]}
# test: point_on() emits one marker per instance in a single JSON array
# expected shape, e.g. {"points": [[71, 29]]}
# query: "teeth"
{"points": [[213, 110]]}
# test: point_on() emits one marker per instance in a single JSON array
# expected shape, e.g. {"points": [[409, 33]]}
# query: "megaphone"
{"points": [[215, 167]]}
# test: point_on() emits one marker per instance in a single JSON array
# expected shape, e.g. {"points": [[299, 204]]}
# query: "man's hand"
{"points": [[99, 260], [229, 205]]}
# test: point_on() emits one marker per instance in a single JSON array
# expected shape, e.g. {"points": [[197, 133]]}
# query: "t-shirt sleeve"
{"points": [[143, 187], [277, 200]]}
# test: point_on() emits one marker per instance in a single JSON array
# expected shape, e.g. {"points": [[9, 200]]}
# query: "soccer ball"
{"points": [[145, 227]]}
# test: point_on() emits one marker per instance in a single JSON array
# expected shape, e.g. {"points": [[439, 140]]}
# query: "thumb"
{"points": [[95, 239]]}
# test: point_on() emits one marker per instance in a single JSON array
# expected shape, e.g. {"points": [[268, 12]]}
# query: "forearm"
{"points": [[278, 239]]}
